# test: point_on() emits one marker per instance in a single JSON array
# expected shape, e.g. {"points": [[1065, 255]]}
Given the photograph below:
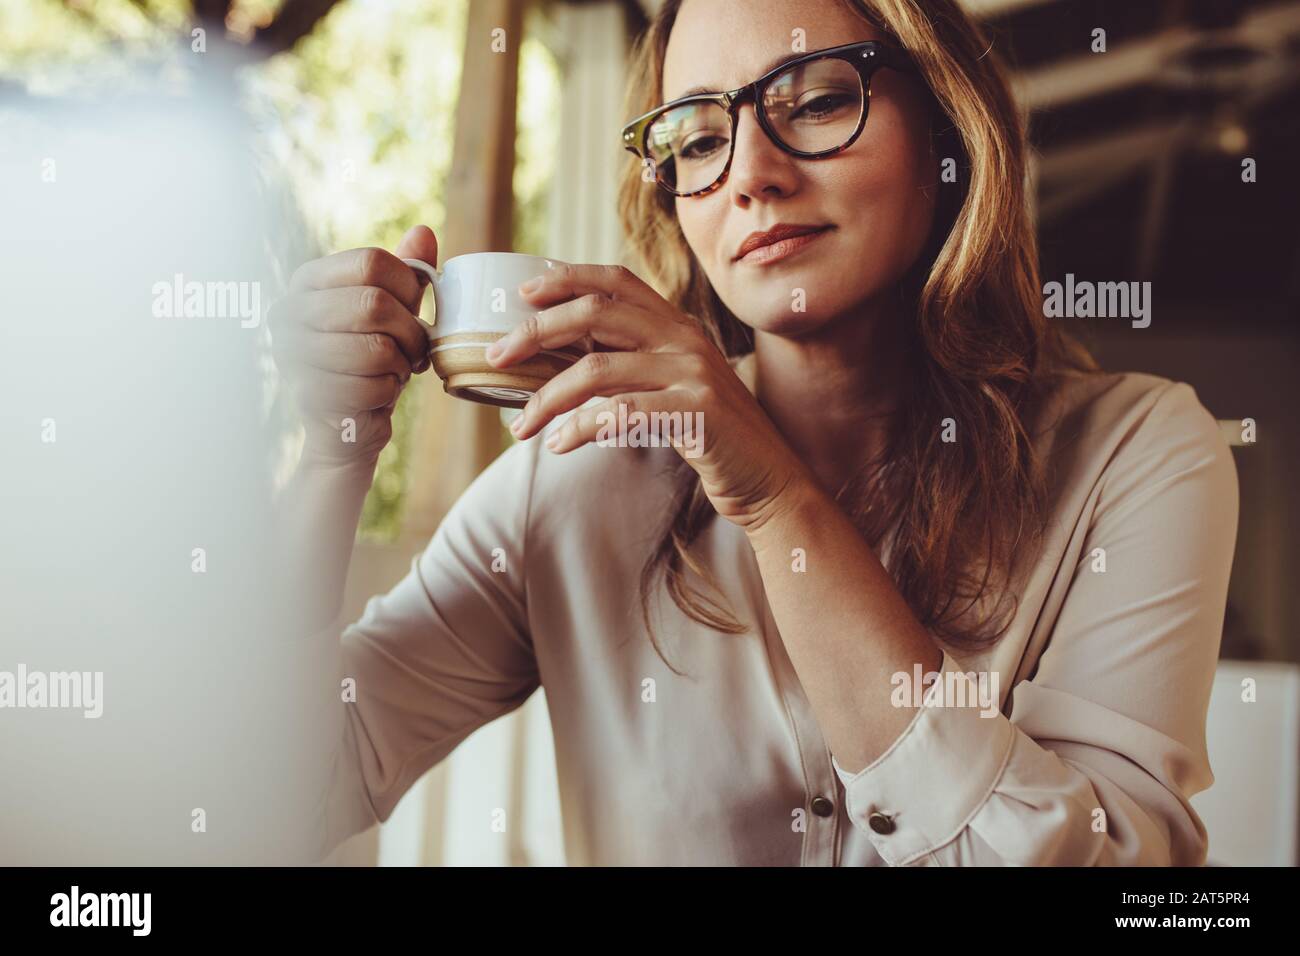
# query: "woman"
{"points": [[752, 656]]}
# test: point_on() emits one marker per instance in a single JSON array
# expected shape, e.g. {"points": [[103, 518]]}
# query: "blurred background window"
{"points": [[365, 95]]}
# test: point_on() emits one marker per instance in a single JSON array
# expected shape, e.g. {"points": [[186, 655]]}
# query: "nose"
{"points": [[758, 166]]}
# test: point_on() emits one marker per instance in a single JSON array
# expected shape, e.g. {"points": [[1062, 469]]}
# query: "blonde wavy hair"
{"points": [[983, 352]]}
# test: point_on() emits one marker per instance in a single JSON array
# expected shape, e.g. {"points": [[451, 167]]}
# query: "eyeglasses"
{"points": [[812, 106]]}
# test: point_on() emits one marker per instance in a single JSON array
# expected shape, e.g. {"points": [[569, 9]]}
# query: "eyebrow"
{"points": [[771, 65]]}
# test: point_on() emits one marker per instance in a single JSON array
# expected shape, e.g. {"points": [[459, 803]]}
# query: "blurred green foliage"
{"points": [[366, 107]]}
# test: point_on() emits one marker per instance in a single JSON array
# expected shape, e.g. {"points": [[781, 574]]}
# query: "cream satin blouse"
{"points": [[1104, 675]]}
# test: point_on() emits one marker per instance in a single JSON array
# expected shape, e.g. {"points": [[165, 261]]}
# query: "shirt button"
{"points": [[822, 807], [880, 823]]}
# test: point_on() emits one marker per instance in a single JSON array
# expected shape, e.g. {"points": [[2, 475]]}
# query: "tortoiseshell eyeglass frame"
{"points": [[866, 57]]}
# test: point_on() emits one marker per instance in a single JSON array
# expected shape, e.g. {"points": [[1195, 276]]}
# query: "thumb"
{"points": [[419, 243]]}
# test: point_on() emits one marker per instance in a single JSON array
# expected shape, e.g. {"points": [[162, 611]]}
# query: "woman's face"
{"points": [[877, 195]]}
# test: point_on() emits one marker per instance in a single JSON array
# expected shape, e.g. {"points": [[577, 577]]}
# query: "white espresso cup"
{"points": [[477, 301]]}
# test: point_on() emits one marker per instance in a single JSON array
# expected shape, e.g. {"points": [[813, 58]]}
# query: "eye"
{"points": [[701, 147], [824, 105]]}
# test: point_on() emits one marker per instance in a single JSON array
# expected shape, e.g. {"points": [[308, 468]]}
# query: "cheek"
{"points": [[701, 222], [890, 196]]}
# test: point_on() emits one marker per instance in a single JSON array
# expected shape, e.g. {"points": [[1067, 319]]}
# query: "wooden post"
{"points": [[454, 440]]}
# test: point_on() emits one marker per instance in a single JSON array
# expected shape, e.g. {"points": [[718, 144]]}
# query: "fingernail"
{"points": [[494, 349], [553, 440], [517, 424], [530, 285]]}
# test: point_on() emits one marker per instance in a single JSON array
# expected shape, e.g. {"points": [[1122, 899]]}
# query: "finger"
{"points": [[332, 392], [618, 325], [352, 309], [569, 280], [594, 422], [601, 373], [350, 353], [359, 267]]}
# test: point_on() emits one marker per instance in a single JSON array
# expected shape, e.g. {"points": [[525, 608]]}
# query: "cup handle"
{"points": [[423, 268]]}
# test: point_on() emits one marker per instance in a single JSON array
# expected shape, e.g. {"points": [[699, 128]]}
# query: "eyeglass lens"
{"points": [[811, 108]]}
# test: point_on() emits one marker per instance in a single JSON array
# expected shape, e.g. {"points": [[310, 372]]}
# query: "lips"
{"points": [[777, 233]]}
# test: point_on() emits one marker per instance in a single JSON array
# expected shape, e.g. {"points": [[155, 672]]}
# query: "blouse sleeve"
{"points": [[447, 650], [1106, 743]]}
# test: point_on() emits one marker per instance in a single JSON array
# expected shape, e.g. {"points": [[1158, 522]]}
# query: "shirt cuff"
{"points": [[923, 791]]}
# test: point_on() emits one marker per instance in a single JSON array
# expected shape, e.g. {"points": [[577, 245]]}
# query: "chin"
{"points": [[787, 324]]}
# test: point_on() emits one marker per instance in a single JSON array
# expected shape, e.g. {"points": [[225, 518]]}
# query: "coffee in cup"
{"points": [[477, 301]]}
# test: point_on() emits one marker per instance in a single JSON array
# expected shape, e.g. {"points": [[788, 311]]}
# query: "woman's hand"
{"points": [[654, 359], [347, 340]]}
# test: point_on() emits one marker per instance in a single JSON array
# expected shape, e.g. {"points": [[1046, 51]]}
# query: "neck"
{"points": [[834, 394]]}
